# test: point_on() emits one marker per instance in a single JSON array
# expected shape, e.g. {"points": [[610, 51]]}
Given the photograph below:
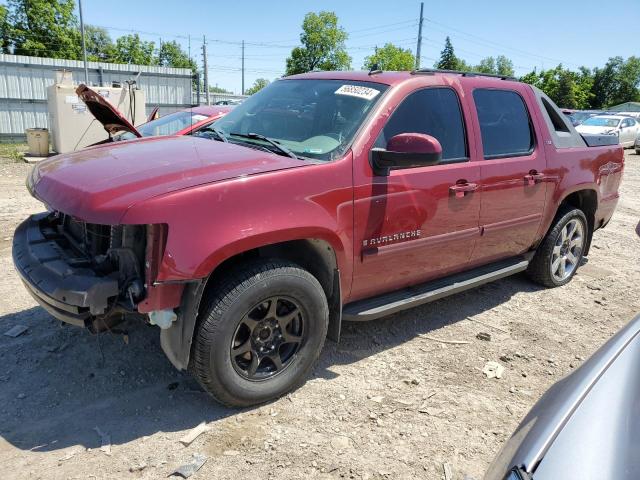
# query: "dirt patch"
{"points": [[390, 401]]}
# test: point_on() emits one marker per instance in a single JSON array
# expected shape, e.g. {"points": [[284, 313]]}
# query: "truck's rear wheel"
{"points": [[558, 257], [260, 333]]}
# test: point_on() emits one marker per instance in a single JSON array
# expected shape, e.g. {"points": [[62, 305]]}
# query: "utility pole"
{"points": [[206, 72], [242, 67], [84, 46], [419, 47]]}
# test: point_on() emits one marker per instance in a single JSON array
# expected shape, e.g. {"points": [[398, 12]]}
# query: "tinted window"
{"points": [[434, 111], [504, 123]]}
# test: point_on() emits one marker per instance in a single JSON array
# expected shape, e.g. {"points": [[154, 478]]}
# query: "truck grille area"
{"points": [[116, 251]]}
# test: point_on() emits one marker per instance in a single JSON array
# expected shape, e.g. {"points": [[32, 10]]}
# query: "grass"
{"points": [[12, 152]]}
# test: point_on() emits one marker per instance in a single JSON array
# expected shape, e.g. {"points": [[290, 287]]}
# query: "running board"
{"points": [[388, 303]]}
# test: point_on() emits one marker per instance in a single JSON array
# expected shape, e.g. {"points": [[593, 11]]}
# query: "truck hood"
{"points": [[592, 129], [99, 184], [110, 118]]}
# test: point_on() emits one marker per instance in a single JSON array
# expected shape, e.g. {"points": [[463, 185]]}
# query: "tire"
{"points": [[543, 268], [245, 314], [637, 151]]}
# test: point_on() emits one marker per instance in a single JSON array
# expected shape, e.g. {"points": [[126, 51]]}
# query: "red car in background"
{"points": [[183, 122]]}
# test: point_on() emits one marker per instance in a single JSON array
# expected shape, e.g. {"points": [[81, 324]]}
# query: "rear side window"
{"points": [[504, 123], [435, 112], [559, 123]]}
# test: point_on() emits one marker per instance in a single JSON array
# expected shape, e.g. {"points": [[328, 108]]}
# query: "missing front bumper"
{"points": [[71, 294]]}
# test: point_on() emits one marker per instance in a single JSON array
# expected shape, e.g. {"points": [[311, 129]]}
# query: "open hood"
{"points": [[112, 120]]}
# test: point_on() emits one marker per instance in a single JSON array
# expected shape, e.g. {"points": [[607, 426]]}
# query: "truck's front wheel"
{"points": [[260, 332]]}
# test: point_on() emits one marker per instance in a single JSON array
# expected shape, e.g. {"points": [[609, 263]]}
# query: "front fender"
{"points": [[211, 223]]}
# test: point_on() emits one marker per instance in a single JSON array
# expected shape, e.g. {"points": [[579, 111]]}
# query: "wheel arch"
{"points": [[586, 200], [316, 255]]}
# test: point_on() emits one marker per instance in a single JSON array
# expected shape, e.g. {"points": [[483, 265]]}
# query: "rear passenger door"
{"points": [[512, 169]]}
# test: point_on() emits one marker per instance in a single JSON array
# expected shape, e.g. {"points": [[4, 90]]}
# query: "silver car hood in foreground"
{"points": [[587, 425]]}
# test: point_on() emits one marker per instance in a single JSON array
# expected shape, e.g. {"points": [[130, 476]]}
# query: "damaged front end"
{"points": [[83, 273]]}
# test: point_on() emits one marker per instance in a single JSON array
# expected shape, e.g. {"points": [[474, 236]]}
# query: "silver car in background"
{"points": [[586, 426], [626, 128]]}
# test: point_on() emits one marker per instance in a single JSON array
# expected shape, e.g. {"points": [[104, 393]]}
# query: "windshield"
{"points": [[601, 122], [311, 118], [166, 125]]}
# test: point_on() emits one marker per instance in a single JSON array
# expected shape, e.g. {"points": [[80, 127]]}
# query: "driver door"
{"points": [[417, 223]]}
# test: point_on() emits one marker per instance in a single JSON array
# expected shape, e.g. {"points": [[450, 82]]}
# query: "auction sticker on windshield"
{"points": [[358, 91]]}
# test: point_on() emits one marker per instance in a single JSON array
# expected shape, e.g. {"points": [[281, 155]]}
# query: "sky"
{"points": [[539, 33]]}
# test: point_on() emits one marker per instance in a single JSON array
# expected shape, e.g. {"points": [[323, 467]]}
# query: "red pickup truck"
{"points": [[327, 196]]}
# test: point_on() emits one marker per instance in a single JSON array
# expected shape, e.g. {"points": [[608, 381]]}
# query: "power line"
{"points": [[495, 44]]}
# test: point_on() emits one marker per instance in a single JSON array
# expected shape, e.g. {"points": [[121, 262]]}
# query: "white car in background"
{"points": [[625, 128]]}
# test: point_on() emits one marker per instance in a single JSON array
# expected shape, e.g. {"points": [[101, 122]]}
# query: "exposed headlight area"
{"points": [[84, 273]]}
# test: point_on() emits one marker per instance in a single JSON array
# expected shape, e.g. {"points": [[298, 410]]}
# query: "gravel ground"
{"points": [[390, 401]]}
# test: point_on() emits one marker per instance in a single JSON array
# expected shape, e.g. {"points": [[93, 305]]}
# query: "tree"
{"points": [[4, 29], [100, 47], [584, 88], [566, 88], [604, 80], [131, 49], [448, 59], [617, 82], [322, 45], [486, 65], [628, 81], [218, 90], [565, 94], [44, 28], [500, 65], [258, 85], [171, 54], [504, 66], [532, 78], [390, 57]]}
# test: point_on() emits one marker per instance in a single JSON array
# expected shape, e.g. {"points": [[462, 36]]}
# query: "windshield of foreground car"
{"points": [[601, 122], [311, 118], [166, 125]]}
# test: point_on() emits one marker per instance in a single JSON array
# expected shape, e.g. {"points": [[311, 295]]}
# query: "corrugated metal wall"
{"points": [[24, 82]]}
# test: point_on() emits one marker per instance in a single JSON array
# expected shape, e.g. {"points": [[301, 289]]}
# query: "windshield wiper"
{"points": [[275, 143], [219, 133]]}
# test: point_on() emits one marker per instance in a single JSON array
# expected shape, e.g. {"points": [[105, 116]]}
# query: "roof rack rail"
{"points": [[431, 71]]}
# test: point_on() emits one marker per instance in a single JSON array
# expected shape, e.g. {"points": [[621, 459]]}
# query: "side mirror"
{"points": [[406, 150]]}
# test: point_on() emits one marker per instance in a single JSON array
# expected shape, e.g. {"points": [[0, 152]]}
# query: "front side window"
{"points": [[312, 118], [504, 123], [432, 111]]}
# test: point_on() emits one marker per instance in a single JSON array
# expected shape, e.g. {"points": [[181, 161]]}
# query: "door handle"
{"points": [[461, 189], [534, 177]]}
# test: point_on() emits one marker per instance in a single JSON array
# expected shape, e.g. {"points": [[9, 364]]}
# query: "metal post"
{"points": [[84, 45], [206, 73], [242, 67], [419, 47], [198, 88]]}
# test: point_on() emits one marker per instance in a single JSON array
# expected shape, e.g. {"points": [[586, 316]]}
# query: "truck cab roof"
{"points": [[392, 78]]}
